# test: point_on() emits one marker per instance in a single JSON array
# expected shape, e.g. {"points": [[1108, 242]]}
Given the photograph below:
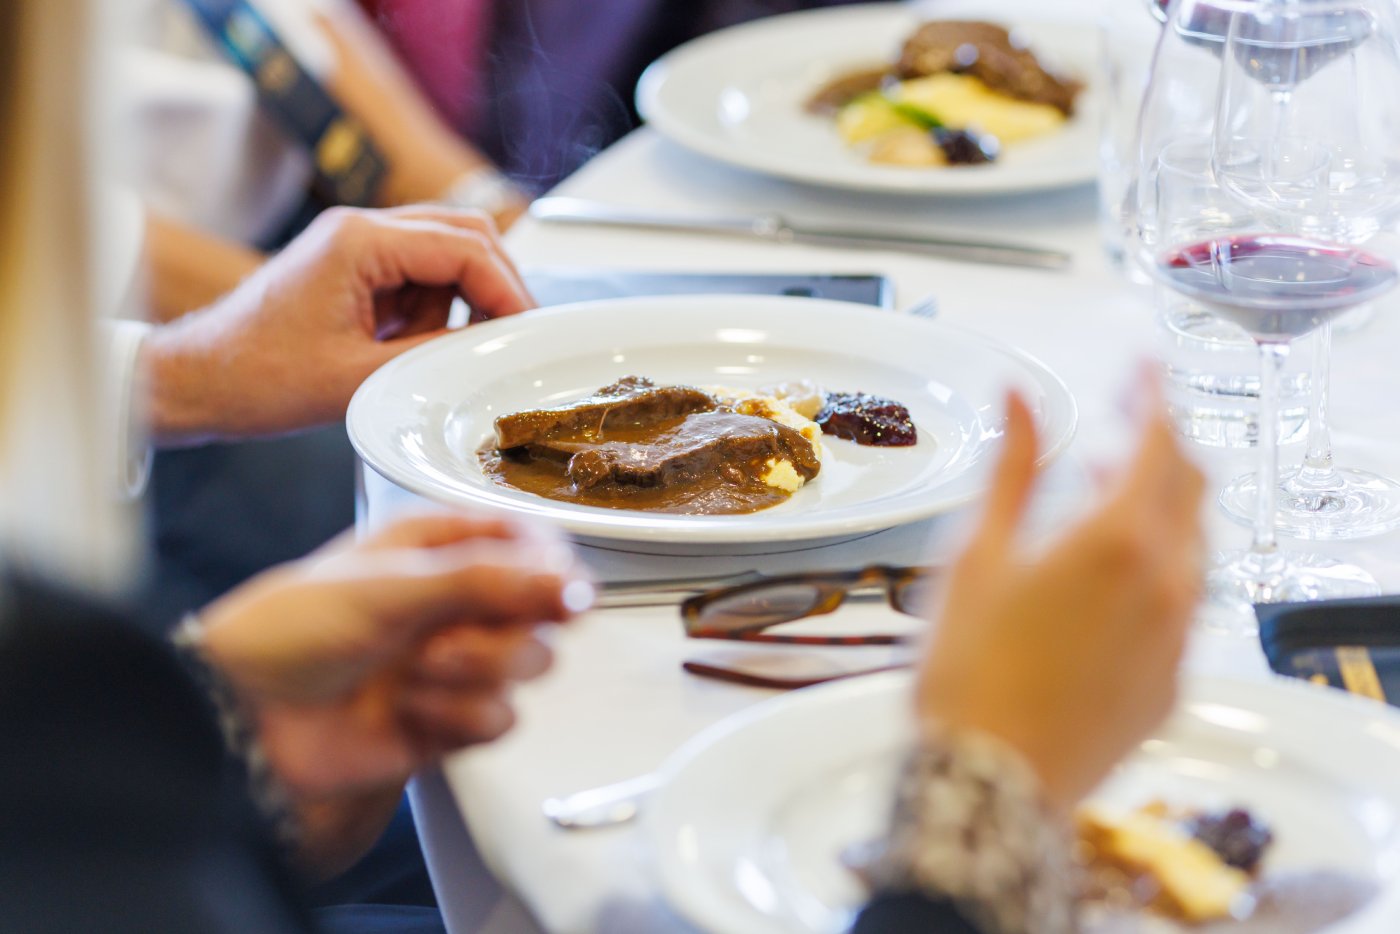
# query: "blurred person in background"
{"points": [[541, 86]]}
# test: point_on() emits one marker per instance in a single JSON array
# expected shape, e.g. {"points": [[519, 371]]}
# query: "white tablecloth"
{"points": [[618, 703]]}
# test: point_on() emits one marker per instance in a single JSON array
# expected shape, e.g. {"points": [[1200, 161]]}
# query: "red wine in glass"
{"points": [[1276, 287]]}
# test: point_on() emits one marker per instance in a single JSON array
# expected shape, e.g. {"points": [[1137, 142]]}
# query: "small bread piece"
{"points": [[1195, 885]]}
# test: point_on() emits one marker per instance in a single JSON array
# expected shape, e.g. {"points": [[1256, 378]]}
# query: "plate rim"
{"points": [[1194, 688], [647, 99], [627, 527]]}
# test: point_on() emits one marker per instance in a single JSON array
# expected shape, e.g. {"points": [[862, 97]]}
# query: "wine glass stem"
{"points": [[1313, 487], [1273, 358], [1319, 456]]}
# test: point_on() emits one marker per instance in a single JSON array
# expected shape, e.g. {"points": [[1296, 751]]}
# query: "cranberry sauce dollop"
{"points": [[1236, 836], [867, 419]]}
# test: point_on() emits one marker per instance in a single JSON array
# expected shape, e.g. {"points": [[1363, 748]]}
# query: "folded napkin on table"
{"points": [[1349, 644]]}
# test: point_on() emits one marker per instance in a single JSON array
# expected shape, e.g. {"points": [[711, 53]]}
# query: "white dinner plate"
{"points": [[753, 814], [420, 419], [738, 96]]}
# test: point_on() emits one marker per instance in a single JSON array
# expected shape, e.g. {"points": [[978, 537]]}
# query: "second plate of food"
{"points": [[1259, 808], [691, 420], [852, 98]]}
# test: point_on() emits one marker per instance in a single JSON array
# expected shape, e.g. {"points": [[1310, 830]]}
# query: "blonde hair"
{"points": [[54, 510]]}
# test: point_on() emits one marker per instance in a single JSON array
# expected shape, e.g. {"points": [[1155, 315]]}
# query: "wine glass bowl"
{"points": [[1275, 287], [1284, 46], [1321, 73], [1210, 365]]}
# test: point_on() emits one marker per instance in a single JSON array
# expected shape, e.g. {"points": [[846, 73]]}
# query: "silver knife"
{"points": [[665, 592], [776, 229]]}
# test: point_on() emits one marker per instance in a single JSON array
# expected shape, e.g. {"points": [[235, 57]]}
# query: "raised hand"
{"points": [[1072, 658]]}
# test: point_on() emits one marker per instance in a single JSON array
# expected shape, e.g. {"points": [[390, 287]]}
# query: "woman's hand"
{"points": [[366, 661], [288, 348], [1071, 659]]}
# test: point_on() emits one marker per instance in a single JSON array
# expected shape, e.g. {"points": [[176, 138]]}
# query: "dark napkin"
{"points": [[1353, 645]]}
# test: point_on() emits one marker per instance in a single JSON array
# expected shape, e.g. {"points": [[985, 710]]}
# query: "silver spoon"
{"points": [[606, 806], [926, 307]]}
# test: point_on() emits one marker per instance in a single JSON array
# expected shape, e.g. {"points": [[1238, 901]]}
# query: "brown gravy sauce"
{"points": [[704, 488]]}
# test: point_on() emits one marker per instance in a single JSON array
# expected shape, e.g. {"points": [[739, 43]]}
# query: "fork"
{"points": [[926, 307]]}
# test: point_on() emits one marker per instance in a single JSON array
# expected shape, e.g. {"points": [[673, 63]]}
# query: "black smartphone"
{"points": [[561, 286]]}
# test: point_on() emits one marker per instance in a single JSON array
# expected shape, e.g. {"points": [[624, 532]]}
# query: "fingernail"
{"points": [[578, 596]]}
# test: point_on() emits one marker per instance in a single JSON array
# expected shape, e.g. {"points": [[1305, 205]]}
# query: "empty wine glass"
{"points": [[1318, 76]]}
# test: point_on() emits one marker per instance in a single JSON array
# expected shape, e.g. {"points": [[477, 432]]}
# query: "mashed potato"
{"points": [[881, 122]]}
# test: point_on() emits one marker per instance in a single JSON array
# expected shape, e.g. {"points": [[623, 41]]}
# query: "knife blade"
{"points": [[774, 228]]}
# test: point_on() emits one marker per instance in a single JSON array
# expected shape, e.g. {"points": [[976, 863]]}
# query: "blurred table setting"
{"points": [[619, 703]]}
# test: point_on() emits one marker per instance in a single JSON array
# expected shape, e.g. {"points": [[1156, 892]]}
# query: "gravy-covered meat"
{"points": [[636, 445], [846, 88], [631, 401], [985, 51], [737, 447]]}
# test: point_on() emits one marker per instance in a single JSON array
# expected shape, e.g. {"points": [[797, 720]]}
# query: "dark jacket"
{"points": [[119, 808], [911, 914]]}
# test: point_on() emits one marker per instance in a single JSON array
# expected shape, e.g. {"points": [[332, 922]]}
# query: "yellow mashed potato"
{"points": [[960, 102]]}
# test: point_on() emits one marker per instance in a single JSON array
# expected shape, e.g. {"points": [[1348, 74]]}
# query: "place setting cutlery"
{"points": [[666, 591], [774, 228]]}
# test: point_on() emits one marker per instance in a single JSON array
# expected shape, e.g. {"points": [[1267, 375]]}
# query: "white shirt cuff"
{"points": [[127, 439]]}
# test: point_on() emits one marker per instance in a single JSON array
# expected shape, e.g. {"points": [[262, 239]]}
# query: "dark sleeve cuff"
{"points": [[914, 913], [239, 734]]}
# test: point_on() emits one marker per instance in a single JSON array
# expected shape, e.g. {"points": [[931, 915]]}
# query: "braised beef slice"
{"points": [[736, 446], [631, 401], [846, 88], [985, 51]]}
